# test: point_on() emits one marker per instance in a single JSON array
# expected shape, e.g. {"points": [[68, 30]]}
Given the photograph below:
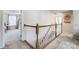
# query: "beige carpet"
{"points": [[64, 41], [13, 41]]}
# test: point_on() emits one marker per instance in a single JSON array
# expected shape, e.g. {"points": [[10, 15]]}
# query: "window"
{"points": [[12, 20]]}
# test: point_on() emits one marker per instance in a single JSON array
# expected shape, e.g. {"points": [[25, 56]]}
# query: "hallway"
{"points": [[39, 29]]}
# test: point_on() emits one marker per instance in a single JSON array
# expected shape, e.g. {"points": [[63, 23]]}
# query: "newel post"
{"points": [[37, 33], [55, 30]]}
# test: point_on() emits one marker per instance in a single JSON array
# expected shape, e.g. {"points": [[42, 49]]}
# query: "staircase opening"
{"points": [[52, 32], [50, 35]]}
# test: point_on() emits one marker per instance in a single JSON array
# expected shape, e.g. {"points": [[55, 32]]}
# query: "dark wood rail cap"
{"points": [[39, 26], [29, 25]]}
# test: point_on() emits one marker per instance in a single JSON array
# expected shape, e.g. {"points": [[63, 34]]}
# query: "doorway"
{"points": [[12, 31]]}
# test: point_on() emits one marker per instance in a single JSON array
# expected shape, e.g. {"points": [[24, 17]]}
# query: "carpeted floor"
{"points": [[64, 41], [12, 40]]}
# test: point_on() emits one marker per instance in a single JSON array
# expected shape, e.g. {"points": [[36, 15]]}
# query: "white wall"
{"points": [[42, 17], [2, 44], [76, 22], [67, 27], [34, 17]]}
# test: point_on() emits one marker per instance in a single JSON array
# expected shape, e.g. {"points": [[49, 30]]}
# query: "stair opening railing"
{"points": [[37, 27], [48, 38]]}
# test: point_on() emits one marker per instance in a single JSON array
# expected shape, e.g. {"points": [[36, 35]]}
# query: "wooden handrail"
{"points": [[55, 30], [29, 25], [37, 32], [41, 26], [46, 25]]}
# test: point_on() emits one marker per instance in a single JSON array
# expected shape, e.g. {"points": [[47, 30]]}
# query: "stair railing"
{"points": [[37, 32]]}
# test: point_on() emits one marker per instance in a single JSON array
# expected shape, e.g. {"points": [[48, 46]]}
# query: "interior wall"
{"points": [[76, 22], [67, 27], [2, 44], [49, 18], [37, 16], [33, 17], [41, 17]]}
